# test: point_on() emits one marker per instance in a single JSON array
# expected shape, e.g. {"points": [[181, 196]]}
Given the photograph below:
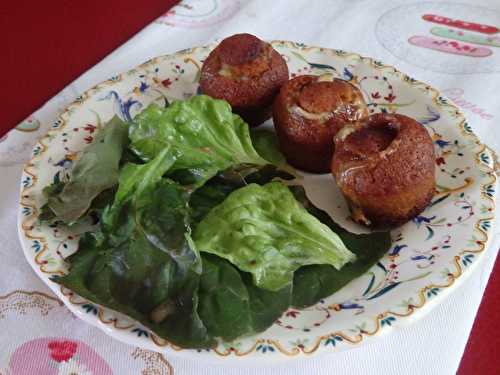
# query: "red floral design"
{"points": [[376, 95], [61, 351], [166, 82], [292, 313], [440, 161], [90, 128], [390, 98], [88, 139]]}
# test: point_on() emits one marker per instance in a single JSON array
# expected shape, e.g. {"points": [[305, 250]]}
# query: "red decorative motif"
{"points": [[90, 128], [166, 82], [440, 161], [390, 98], [62, 351], [292, 313]]}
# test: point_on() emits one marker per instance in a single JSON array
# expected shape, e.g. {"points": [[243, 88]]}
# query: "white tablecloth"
{"points": [[31, 318]]}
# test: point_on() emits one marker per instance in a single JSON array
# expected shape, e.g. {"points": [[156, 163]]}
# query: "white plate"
{"points": [[428, 254]]}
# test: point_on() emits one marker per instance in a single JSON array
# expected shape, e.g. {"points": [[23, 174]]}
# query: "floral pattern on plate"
{"points": [[428, 254]]}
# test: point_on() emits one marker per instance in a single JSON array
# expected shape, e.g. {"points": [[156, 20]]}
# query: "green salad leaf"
{"points": [[215, 190], [314, 282], [205, 135], [95, 171], [197, 237], [150, 270], [231, 305], [265, 231], [266, 143], [134, 178]]}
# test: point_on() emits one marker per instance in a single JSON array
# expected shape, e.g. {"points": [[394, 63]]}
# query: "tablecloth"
{"points": [[38, 335]]}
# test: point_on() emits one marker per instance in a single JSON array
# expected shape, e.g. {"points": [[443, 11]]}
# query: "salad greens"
{"points": [[197, 237], [312, 283], [204, 134], [266, 144], [151, 275], [232, 306], [94, 172], [265, 231]]}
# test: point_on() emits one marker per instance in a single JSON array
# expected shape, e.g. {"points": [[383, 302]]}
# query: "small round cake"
{"points": [[307, 114], [385, 167], [246, 72]]}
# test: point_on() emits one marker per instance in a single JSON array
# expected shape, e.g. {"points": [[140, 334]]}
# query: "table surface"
{"points": [[49, 44]]}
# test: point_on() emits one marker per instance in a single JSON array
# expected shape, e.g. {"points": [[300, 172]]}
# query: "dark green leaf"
{"points": [[95, 170], [266, 144], [312, 283], [231, 305], [152, 272]]}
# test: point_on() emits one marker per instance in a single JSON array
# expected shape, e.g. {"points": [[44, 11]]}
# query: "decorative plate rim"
{"points": [[25, 223]]}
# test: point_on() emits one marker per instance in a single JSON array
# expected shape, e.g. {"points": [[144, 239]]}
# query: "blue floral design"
{"points": [[396, 249], [432, 116], [37, 246], [122, 108], [467, 259], [388, 321], [89, 308], [264, 348], [422, 219], [140, 332], [442, 143], [432, 292], [332, 340], [143, 87]]}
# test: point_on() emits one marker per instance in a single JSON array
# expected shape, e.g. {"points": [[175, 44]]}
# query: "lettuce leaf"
{"points": [[117, 224], [314, 282], [265, 231], [231, 305], [144, 262], [204, 134], [266, 143], [95, 171], [201, 172]]}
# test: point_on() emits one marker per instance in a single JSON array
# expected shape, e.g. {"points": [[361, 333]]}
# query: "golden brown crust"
{"points": [[247, 73], [385, 167], [307, 114]]}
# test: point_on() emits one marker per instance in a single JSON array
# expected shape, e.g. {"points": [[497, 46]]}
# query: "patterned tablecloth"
{"points": [[38, 335]]}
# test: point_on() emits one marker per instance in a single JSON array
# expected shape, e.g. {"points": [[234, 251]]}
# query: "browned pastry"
{"points": [[385, 168], [246, 72], [307, 114]]}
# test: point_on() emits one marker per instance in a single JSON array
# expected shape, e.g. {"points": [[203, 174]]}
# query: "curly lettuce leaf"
{"points": [[263, 230], [205, 135], [95, 171], [216, 189], [314, 282]]}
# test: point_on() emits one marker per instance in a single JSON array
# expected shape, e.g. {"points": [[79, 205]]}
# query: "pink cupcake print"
{"points": [[57, 356]]}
